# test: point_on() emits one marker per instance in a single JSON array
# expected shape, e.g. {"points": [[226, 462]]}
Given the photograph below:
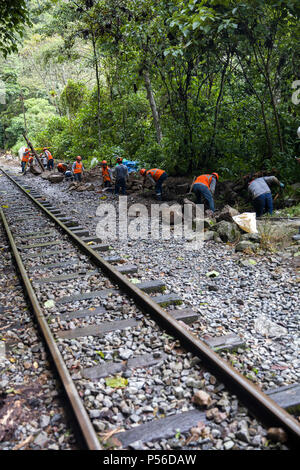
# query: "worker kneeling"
{"points": [[69, 175], [157, 177], [204, 187]]}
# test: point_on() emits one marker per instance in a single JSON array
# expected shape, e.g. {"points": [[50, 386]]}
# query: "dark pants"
{"points": [[23, 164], [263, 204], [159, 183], [78, 177], [203, 194], [50, 164], [120, 184], [68, 175], [107, 184]]}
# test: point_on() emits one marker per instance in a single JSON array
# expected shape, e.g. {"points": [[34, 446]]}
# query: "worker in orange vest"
{"points": [[78, 169], [157, 177], [62, 167], [204, 187], [50, 159], [25, 159], [106, 175]]}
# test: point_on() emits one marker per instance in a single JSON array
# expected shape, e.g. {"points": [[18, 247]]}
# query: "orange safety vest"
{"points": [[62, 166], [204, 179], [48, 155], [78, 167], [105, 174], [155, 173], [25, 157]]}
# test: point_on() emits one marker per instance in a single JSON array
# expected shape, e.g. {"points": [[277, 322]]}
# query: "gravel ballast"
{"points": [[259, 302]]}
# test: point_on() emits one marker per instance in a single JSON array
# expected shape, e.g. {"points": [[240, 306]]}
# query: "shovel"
{"points": [[190, 191]]}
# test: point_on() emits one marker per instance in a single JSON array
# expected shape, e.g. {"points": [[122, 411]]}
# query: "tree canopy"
{"points": [[189, 85], [14, 16]]}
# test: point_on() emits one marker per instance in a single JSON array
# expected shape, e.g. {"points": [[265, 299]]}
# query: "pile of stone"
{"points": [[223, 229], [134, 183], [80, 187]]}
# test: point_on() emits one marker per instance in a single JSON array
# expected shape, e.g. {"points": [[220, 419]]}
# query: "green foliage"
{"points": [[14, 15], [1, 136], [293, 211], [73, 97], [190, 86], [38, 112]]}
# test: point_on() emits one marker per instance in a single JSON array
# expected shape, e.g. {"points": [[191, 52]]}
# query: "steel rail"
{"points": [[86, 427], [260, 405]]}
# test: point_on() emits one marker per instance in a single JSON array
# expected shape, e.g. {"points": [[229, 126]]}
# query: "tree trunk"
{"points": [[153, 106], [279, 133], [266, 129], [24, 115], [98, 88], [270, 150], [212, 148]]}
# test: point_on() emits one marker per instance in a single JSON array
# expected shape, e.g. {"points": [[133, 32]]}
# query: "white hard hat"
{"points": [[298, 132]]}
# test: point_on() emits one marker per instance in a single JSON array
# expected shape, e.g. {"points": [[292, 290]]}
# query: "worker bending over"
{"points": [[157, 177], [106, 175], [261, 194], [63, 168], [78, 169], [204, 188], [47, 159], [121, 176]]}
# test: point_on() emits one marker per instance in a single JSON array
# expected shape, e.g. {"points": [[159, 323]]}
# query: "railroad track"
{"points": [[77, 260]]}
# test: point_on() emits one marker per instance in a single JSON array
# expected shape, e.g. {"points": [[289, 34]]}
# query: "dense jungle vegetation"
{"points": [[186, 85]]}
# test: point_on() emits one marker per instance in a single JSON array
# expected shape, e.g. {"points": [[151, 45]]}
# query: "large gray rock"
{"points": [[55, 178], [46, 174], [251, 237], [227, 231], [226, 214], [245, 245], [203, 223], [217, 238], [35, 170], [208, 235]]}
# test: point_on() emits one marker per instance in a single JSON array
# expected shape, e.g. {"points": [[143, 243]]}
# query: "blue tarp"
{"points": [[132, 166]]}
